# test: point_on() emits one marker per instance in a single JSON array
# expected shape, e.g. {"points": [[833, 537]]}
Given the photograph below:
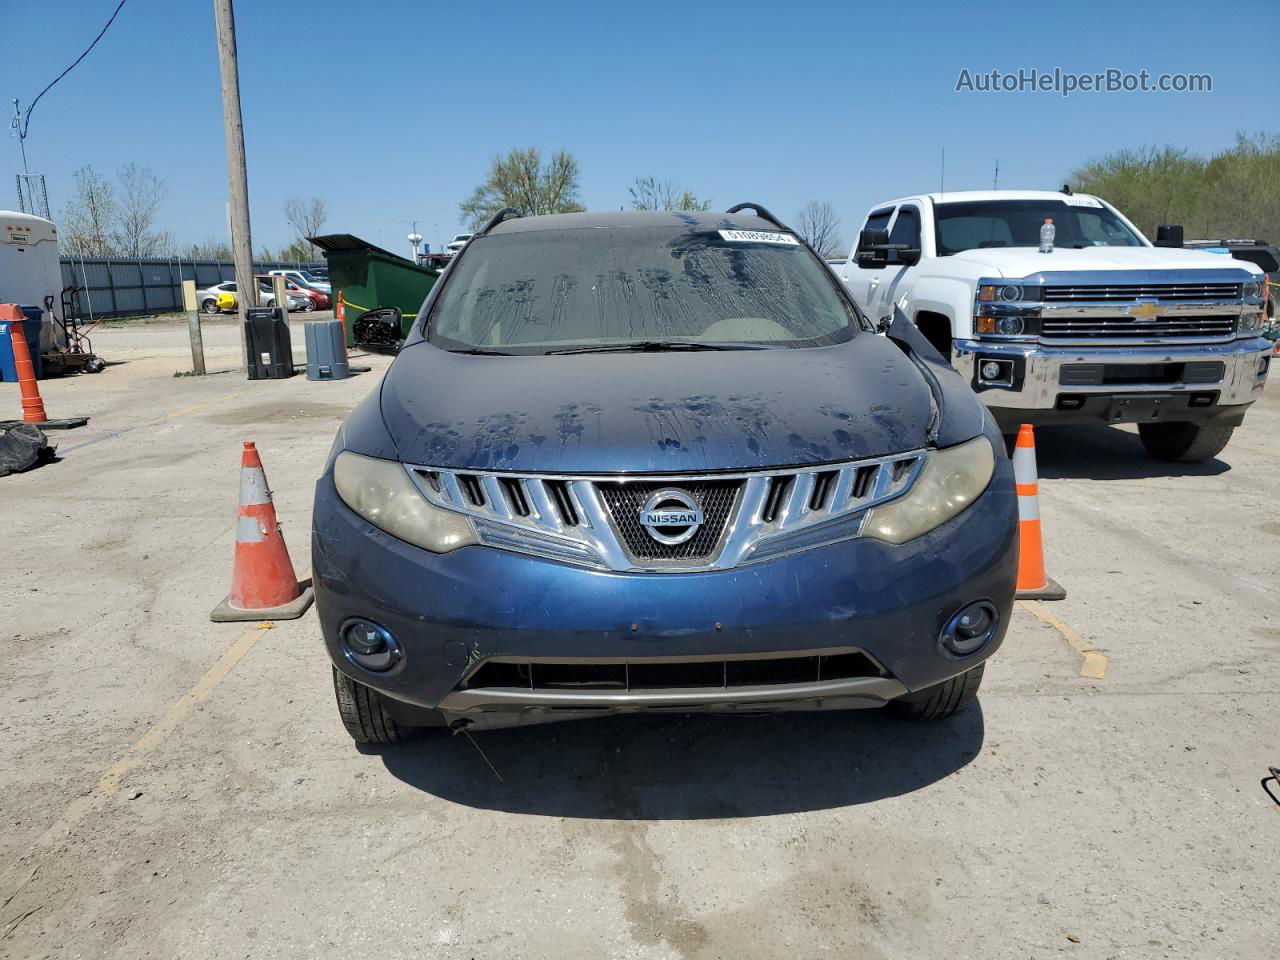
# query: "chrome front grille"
{"points": [[594, 521], [626, 499], [1166, 326], [1173, 292]]}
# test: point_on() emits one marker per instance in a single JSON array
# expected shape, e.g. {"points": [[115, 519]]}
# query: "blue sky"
{"points": [[392, 109]]}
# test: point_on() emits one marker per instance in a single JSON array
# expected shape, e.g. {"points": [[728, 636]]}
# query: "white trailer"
{"points": [[30, 270]]}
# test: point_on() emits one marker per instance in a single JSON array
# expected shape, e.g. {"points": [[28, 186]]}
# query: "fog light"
{"points": [[368, 645], [997, 373], [971, 628]]}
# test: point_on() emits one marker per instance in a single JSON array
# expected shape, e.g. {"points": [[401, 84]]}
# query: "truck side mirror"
{"points": [[908, 256], [1169, 235], [872, 249]]}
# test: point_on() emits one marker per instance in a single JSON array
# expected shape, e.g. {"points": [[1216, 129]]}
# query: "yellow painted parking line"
{"points": [[1095, 661], [110, 780]]}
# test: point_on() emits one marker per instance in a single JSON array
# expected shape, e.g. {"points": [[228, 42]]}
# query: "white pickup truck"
{"points": [[1106, 327]]}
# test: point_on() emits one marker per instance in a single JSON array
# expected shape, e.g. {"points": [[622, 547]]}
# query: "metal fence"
{"points": [[116, 287]]}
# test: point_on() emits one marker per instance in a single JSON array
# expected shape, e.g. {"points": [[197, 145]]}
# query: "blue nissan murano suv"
{"points": [[646, 461]]}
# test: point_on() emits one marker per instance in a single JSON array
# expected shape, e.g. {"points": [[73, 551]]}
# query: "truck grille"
{"points": [[625, 501], [747, 517], [1169, 326], [1173, 292]]}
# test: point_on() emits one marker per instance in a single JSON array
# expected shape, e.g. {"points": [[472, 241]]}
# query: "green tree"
{"points": [[521, 180], [648, 193], [1233, 194]]}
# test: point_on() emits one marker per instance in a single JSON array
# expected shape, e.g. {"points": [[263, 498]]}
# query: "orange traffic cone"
{"points": [[340, 311], [263, 584], [28, 388], [1033, 582]]}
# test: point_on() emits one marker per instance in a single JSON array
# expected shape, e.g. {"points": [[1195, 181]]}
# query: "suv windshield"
{"points": [[548, 290], [1078, 221]]}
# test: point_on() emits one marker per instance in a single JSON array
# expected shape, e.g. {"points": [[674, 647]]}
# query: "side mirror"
{"points": [[1169, 235], [908, 256], [378, 328], [872, 248]]}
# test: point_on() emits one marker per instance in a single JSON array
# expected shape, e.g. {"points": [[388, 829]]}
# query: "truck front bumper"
{"points": [[1037, 383]]}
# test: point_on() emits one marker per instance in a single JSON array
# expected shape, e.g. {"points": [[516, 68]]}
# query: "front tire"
{"points": [[363, 713], [941, 700], [209, 306], [1183, 441]]}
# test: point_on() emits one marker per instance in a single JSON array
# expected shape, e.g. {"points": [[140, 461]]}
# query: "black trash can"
{"points": [[266, 332]]}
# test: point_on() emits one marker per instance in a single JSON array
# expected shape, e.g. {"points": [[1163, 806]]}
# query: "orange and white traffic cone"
{"points": [[1033, 582], [28, 388], [263, 584]]}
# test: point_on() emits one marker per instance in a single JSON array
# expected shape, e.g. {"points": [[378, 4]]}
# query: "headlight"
{"points": [[1252, 320], [1011, 293], [382, 493], [951, 480], [1251, 289], [1010, 326]]}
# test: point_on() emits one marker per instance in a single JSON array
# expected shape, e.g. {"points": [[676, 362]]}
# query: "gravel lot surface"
{"points": [[170, 787]]}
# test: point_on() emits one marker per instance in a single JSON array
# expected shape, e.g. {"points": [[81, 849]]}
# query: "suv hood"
{"points": [[655, 412], [1019, 262]]}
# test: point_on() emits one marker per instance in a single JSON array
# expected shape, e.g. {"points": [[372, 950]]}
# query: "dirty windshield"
{"points": [[1078, 222], [557, 290]]}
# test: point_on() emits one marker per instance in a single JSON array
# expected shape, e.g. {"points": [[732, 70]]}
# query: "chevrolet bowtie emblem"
{"points": [[1144, 311]]}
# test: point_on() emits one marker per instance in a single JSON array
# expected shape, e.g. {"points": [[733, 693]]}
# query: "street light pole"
{"points": [[237, 174]]}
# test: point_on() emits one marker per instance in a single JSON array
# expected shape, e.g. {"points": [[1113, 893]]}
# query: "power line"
{"points": [[26, 121]]}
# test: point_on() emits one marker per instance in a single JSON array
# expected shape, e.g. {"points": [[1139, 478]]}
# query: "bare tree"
{"points": [[140, 197], [306, 215], [521, 180], [819, 224], [211, 249], [88, 218], [648, 193]]}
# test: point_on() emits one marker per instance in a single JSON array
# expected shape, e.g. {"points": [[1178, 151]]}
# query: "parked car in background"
{"points": [[305, 278], [221, 297], [224, 298], [1101, 327], [311, 298], [650, 461], [457, 243]]}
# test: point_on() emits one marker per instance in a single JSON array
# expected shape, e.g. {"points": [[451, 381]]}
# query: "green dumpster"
{"points": [[369, 277]]}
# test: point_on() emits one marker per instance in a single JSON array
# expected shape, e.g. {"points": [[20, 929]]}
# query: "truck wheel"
{"points": [[942, 700], [1183, 441], [363, 714]]}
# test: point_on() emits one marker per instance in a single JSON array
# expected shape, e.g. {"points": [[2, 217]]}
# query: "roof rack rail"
{"points": [[761, 212], [506, 213]]}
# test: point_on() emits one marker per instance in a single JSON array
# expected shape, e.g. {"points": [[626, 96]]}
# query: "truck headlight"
{"points": [[382, 493], [1251, 320], [1251, 289], [950, 480]]}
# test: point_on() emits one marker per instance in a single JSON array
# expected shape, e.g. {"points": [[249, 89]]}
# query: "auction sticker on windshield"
{"points": [[759, 236]]}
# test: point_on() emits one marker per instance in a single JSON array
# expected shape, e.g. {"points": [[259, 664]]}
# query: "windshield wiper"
{"points": [[482, 352], [656, 346]]}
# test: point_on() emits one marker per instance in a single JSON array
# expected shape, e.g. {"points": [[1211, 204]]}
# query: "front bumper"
{"points": [[452, 614], [1069, 384]]}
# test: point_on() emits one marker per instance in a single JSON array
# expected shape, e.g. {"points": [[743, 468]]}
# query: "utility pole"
{"points": [[237, 175]]}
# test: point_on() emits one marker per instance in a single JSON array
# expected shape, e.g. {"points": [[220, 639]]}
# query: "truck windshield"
{"points": [[1079, 222], [548, 290]]}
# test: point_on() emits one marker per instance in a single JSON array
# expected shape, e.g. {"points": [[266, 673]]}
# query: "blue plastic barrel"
{"points": [[8, 367]]}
